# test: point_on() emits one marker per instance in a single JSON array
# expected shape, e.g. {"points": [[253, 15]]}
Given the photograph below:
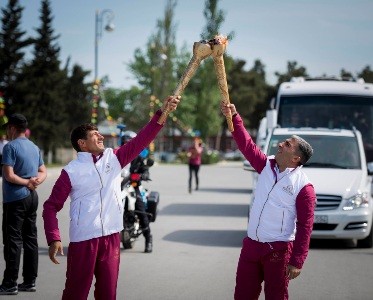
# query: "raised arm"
{"points": [[129, 151], [243, 139]]}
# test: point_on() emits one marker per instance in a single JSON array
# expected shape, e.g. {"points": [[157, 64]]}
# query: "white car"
{"points": [[341, 179]]}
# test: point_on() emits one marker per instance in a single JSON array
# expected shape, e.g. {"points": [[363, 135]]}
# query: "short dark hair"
{"points": [[19, 121], [305, 149], [80, 132]]}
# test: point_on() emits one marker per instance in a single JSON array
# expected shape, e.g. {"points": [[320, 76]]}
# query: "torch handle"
{"points": [[223, 86], [187, 75]]}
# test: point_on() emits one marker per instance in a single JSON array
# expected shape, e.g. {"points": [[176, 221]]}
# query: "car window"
{"points": [[329, 151]]}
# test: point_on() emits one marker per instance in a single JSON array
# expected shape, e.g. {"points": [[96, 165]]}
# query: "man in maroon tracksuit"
{"points": [[281, 215], [92, 181]]}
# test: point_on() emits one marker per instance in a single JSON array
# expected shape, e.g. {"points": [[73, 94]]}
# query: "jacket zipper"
{"points": [[282, 222], [261, 212], [117, 199], [80, 208], [102, 224], [256, 232]]}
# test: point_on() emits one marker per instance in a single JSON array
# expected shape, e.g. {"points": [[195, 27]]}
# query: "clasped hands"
{"points": [[33, 183]]}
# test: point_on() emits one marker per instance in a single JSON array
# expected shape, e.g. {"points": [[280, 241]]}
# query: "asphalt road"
{"points": [[197, 240]]}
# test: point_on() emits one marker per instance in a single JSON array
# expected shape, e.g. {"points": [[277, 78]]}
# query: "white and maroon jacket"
{"points": [[273, 212], [283, 209], [93, 184]]}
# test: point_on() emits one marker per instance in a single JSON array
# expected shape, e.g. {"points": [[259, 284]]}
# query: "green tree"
{"points": [[346, 74], [293, 70], [42, 87], [158, 69], [249, 91], [154, 69], [366, 74], [186, 109], [12, 44], [77, 101], [129, 107], [214, 18], [204, 85]]}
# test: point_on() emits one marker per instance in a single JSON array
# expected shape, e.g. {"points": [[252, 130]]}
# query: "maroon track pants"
{"points": [[263, 262], [99, 257]]}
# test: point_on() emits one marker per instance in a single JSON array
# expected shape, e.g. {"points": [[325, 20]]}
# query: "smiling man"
{"points": [[281, 215], [92, 181]]}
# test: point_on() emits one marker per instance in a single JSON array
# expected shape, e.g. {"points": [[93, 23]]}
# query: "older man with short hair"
{"points": [[281, 215]]}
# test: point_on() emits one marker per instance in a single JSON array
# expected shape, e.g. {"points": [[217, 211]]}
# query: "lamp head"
{"points": [[110, 27]]}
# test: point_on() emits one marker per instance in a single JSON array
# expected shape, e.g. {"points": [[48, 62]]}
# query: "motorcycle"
{"points": [[131, 188]]}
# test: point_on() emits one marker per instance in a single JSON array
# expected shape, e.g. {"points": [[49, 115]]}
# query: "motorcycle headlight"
{"points": [[359, 200]]}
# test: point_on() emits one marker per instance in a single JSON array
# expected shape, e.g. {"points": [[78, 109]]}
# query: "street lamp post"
{"points": [[98, 34], [98, 31]]}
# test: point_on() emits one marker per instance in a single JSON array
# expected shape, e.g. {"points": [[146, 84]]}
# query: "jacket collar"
{"points": [[274, 165], [88, 157]]}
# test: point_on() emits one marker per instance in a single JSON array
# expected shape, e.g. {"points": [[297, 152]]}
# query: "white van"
{"points": [[341, 179]]}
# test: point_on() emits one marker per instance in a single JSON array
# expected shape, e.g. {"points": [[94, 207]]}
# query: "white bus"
{"points": [[328, 103]]}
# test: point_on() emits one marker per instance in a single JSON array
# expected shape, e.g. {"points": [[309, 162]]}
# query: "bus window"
{"points": [[329, 111]]}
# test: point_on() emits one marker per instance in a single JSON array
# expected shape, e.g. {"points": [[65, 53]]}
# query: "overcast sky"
{"points": [[322, 35]]}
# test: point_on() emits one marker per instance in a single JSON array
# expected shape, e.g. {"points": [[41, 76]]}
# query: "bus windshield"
{"points": [[338, 152], [330, 111]]}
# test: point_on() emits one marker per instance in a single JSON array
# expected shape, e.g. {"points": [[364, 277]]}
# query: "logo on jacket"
{"points": [[107, 168], [288, 189]]}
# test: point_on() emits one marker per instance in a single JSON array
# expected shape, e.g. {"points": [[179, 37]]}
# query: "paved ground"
{"points": [[197, 240]]}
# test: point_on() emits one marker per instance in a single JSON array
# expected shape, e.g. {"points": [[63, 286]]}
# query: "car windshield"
{"points": [[328, 151]]}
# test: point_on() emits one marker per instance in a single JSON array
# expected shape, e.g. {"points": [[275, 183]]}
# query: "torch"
{"points": [[218, 45], [201, 50]]}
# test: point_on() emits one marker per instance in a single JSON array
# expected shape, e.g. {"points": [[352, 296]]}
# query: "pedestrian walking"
{"points": [[281, 215], [195, 159], [93, 182], [23, 171]]}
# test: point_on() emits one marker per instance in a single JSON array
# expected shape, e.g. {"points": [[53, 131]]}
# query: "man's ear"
{"points": [[81, 144], [296, 159]]}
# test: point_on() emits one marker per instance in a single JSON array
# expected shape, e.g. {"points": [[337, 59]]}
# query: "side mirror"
{"points": [[370, 168]]}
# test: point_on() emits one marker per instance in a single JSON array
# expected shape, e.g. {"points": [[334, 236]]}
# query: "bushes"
{"points": [[182, 157], [208, 157]]}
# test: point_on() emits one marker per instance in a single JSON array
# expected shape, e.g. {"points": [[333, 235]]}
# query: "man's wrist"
{"points": [[52, 242]]}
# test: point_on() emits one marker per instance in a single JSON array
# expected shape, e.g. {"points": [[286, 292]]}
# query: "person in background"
{"points": [[23, 172], [93, 182], [195, 159], [281, 215]]}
